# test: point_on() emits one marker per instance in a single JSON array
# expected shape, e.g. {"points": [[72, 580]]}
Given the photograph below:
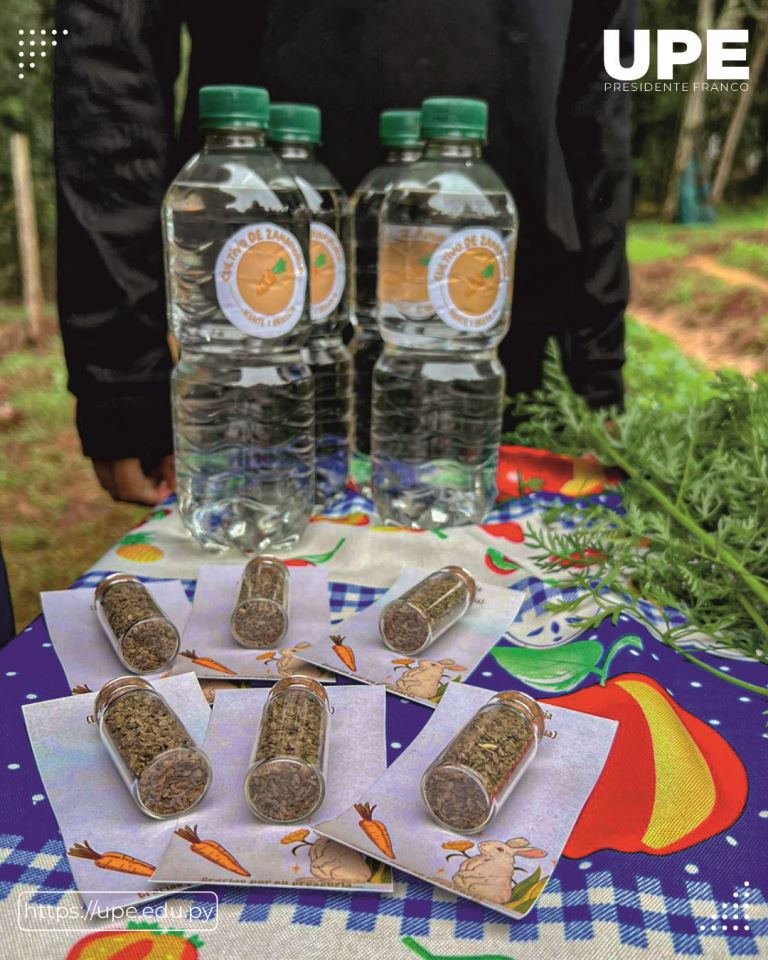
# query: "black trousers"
{"points": [[557, 138], [7, 626]]}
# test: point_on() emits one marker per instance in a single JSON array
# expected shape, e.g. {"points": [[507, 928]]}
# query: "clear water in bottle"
{"points": [[236, 237], [294, 130], [399, 132], [447, 237]]}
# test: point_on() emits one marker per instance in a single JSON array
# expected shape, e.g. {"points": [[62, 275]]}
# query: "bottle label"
{"points": [[261, 280], [469, 279], [328, 271], [405, 253]]}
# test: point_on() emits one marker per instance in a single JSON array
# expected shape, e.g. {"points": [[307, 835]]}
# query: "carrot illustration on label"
{"points": [[375, 830], [343, 652], [476, 282], [320, 261], [112, 860], [269, 277], [207, 662], [210, 850]]}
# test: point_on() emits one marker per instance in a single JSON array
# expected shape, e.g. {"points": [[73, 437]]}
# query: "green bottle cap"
{"points": [[294, 123], [400, 128], [221, 107], [454, 118]]}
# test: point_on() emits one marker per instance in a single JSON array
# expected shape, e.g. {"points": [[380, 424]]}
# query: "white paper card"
{"points": [[209, 649], [81, 645], [261, 854], [355, 648], [507, 866], [92, 803]]}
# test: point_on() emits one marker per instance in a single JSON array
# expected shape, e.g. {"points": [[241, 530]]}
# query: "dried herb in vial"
{"points": [[286, 779], [413, 621], [260, 616], [143, 637], [154, 752], [478, 769]]}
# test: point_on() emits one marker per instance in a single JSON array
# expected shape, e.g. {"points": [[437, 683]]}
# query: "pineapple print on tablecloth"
{"points": [[138, 548]]}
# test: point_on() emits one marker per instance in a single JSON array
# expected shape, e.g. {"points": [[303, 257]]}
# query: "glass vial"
{"points": [[417, 618], [260, 616], [467, 784], [285, 782], [142, 636], [165, 772]]}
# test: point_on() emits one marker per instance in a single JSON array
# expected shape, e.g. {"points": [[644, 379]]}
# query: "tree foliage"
{"points": [[25, 107], [656, 115]]}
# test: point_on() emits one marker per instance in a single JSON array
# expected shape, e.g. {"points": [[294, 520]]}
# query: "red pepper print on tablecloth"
{"points": [[670, 781], [523, 470]]}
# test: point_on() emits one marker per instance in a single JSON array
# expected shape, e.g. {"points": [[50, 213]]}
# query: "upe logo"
{"points": [[724, 48]]}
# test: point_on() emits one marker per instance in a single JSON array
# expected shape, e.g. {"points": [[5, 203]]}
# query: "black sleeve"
{"points": [[594, 130], [113, 134]]}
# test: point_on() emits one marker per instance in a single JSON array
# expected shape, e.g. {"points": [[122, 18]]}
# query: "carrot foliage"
{"points": [[693, 534]]}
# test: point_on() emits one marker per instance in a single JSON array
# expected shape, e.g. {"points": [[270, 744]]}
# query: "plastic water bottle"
{"points": [[447, 237], [294, 129], [399, 132], [237, 236]]}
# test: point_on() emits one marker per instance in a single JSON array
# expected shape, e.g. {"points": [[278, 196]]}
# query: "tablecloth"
{"points": [[667, 860]]}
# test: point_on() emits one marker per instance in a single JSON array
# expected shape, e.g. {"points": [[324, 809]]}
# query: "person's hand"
{"points": [[128, 480]]}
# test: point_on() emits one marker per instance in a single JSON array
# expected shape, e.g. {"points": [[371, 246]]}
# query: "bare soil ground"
{"points": [[55, 520], [715, 313]]}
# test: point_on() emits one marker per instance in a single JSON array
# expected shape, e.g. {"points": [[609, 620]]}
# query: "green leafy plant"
{"points": [[694, 532]]}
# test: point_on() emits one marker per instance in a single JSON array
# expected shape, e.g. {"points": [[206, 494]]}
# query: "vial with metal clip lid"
{"points": [[285, 782], [165, 772], [415, 620], [260, 616], [474, 775], [141, 635]]}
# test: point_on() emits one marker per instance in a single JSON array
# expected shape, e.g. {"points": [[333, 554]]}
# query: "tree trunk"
{"points": [[26, 226], [694, 108], [739, 117]]}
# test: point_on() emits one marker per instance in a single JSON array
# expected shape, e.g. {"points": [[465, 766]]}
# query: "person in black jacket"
{"points": [[557, 138]]}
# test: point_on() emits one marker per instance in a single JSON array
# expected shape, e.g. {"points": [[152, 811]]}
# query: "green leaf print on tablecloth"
{"points": [[561, 668]]}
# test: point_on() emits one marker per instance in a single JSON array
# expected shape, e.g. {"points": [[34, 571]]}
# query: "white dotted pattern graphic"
{"points": [[733, 916], [32, 39]]}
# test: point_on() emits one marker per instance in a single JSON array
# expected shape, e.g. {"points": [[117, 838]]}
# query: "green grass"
{"points": [[691, 286], [649, 240], [754, 217], [10, 313], [644, 245], [747, 256], [657, 371]]}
